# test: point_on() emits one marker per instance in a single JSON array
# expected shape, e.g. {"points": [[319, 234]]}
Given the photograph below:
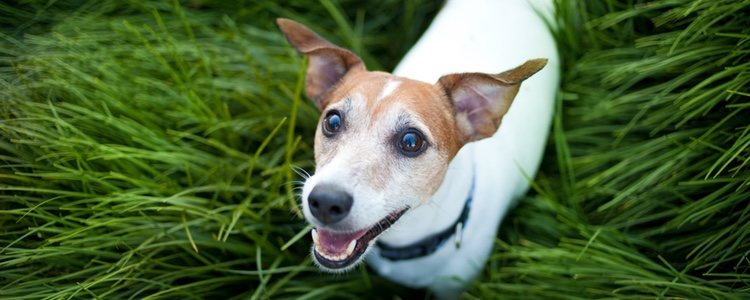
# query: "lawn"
{"points": [[151, 149]]}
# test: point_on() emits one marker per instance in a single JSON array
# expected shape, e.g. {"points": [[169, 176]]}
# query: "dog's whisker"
{"points": [[301, 172]]}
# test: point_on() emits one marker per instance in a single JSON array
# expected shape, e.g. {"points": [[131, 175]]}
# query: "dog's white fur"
{"points": [[478, 36], [486, 36]]}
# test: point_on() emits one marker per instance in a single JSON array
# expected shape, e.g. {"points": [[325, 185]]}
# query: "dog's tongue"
{"points": [[334, 242]]}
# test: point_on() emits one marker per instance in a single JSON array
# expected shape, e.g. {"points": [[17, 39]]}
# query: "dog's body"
{"points": [[501, 166], [392, 151]]}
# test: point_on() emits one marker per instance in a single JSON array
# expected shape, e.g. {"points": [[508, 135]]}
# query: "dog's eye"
{"points": [[411, 143], [332, 123]]}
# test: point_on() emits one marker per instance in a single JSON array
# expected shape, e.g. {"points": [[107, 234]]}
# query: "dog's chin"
{"points": [[338, 252]]}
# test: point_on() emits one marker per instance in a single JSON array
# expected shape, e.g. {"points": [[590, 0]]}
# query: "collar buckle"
{"points": [[459, 234]]}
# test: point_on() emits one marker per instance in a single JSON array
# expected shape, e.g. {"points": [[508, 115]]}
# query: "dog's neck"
{"points": [[441, 211]]}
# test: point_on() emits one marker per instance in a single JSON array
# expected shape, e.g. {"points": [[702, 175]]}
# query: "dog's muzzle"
{"points": [[338, 250]]}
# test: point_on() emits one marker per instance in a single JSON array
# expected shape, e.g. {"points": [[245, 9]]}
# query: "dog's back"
{"points": [[484, 36], [490, 36]]}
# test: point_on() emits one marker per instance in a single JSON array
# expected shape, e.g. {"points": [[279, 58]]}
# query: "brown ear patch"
{"points": [[524, 71], [328, 63], [481, 100]]}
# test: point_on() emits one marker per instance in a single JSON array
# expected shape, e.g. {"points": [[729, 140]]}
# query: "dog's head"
{"points": [[383, 143]]}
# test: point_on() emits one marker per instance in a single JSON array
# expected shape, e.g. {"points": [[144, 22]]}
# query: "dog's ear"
{"points": [[481, 100], [327, 63]]}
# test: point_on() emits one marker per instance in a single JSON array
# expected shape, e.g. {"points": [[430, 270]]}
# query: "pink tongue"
{"points": [[335, 243]]}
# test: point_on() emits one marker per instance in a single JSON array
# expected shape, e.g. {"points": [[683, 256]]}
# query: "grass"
{"points": [[645, 190], [149, 150]]}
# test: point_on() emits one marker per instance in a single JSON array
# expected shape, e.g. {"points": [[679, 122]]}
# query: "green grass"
{"points": [[149, 150], [644, 190]]}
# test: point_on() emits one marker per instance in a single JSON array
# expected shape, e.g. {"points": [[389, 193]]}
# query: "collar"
{"points": [[432, 243]]}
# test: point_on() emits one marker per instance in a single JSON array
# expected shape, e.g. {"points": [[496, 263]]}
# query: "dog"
{"points": [[411, 168]]}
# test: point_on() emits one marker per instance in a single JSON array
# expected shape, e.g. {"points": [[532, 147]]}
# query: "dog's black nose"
{"points": [[329, 204]]}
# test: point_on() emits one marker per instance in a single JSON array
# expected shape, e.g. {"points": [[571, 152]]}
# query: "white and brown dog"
{"points": [[417, 175]]}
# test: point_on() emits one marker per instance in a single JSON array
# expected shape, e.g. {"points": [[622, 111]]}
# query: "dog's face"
{"points": [[383, 143]]}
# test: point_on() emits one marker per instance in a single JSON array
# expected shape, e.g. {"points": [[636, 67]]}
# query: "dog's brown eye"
{"points": [[411, 143], [332, 123]]}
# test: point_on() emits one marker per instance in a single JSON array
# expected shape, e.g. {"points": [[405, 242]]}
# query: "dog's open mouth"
{"points": [[335, 250]]}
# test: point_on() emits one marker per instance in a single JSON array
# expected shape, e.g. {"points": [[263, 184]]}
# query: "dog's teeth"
{"points": [[328, 256], [350, 248], [339, 257]]}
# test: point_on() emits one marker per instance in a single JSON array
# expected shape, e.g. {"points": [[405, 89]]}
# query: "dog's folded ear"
{"points": [[481, 100], [327, 63]]}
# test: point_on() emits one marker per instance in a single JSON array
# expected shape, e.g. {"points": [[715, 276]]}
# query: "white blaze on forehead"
{"points": [[388, 88]]}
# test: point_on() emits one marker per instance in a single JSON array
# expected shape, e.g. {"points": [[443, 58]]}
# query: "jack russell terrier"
{"points": [[412, 170]]}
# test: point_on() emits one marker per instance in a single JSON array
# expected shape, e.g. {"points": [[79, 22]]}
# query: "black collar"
{"points": [[429, 244]]}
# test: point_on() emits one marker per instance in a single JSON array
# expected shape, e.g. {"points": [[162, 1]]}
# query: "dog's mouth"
{"points": [[337, 251]]}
